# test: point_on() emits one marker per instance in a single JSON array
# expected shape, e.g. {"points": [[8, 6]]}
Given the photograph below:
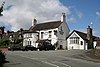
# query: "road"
{"points": [[62, 58]]}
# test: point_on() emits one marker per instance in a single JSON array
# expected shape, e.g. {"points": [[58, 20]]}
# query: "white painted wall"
{"points": [[53, 38], [76, 46], [94, 44], [33, 39]]}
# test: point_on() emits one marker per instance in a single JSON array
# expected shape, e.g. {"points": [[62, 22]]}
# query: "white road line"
{"points": [[39, 58], [42, 61], [62, 63], [50, 64]]}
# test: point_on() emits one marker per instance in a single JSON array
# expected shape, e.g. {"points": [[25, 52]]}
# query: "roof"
{"points": [[29, 32], [83, 35], [41, 41], [47, 25]]}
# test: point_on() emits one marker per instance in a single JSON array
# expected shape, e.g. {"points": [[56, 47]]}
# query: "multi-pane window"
{"points": [[30, 35], [29, 42], [74, 40]]}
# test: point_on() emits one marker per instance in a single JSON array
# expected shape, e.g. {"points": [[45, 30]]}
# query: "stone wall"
{"points": [[97, 52]]}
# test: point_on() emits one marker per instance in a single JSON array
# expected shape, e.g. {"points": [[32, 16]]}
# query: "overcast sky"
{"points": [[79, 13]]}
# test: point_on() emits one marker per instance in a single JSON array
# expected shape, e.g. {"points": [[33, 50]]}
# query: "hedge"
{"points": [[2, 58]]}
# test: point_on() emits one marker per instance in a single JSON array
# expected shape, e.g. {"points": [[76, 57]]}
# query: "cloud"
{"points": [[19, 13], [71, 19], [98, 14], [79, 14]]}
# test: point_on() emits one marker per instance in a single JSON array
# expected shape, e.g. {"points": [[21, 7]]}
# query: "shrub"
{"points": [[2, 58]]}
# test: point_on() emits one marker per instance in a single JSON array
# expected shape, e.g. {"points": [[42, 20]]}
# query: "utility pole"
{"points": [[1, 9]]}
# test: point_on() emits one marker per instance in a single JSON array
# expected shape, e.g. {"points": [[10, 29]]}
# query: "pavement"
{"points": [[59, 58]]}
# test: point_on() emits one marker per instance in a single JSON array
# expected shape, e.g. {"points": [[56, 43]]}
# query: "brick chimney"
{"points": [[89, 33], [89, 38], [63, 17], [2, 30], [34, 22]]}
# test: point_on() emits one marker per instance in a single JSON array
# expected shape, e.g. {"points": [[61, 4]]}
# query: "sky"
{"points": [[79, 13]]}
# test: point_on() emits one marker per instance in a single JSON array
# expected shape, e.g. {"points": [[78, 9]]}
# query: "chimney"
{"points": [[2, 30], [89, 33], [34, 22], [63, 17]]}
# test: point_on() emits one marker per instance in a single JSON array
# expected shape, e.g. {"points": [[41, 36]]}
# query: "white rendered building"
{"points": [[54, 31]]}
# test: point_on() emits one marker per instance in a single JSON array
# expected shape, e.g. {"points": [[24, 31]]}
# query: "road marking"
{"points": [[38, 58], [62, 63], [42, 61], [50, 63]]}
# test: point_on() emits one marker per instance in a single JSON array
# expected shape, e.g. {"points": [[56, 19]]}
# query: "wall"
{"points": [[63, 32], [33, 39], [53, 37], [76, 46]]}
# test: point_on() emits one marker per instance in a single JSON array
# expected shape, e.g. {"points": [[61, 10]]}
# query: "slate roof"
{"points": [[82, 35], [47, 25]]}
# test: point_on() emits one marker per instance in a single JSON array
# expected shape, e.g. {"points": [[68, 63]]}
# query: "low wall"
{"points": [[97, 51], [4, 49]]}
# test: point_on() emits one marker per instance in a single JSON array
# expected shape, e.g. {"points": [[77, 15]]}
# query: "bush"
{"points": [[2, 58]]}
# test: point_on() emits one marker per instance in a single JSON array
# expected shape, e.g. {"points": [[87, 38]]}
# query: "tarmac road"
{"points": [[63, 58]]}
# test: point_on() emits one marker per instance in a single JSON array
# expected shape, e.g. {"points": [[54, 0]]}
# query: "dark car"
{"points": [[29, 47], [13, 48], [46, 46]]}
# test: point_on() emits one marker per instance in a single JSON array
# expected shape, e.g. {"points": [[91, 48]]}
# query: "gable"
{"points": [[82, 35], [74, 35]]}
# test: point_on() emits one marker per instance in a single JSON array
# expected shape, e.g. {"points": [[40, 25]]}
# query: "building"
{"points": [[30, 38], [54, 32], [13, 37], [97, 50], [80, 40]]}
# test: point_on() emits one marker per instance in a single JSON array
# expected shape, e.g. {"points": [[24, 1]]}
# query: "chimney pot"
{"points": [[63, 17], [34, 22]]}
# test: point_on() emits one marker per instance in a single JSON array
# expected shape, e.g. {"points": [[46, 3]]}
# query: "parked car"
{"points": [[29, 47], [46, 46], [13, 48]]}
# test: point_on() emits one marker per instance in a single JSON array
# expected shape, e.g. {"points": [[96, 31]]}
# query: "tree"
{"points": [[4, 42], [1, 8]]}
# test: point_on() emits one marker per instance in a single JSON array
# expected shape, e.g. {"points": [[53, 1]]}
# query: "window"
{"points": [[61, 31], [50, 34], [74, 40], [81, 42], [30, 35], [41, 35], [29, 42], [55, 32]]}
